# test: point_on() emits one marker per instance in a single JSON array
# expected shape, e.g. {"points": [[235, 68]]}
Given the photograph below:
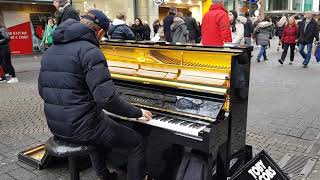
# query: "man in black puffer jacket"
{"points": [[76, 86]]}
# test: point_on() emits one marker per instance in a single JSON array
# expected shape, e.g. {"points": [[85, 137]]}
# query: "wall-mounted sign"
{"points": [[262, 167], [158, 2]]}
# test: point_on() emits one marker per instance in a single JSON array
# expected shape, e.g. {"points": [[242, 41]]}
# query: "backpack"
{"points": [[192, 167]]}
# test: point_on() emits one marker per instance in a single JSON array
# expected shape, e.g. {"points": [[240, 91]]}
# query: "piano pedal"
{"points": [[148, 177]]}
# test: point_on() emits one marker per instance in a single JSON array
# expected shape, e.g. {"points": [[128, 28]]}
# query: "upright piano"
{"points": [[199, 98]]}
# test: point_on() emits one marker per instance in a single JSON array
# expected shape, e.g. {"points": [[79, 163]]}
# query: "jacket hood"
{"points": [[242, 19], [71, 31], [264, 24], [117, 22], [177, 21], [217, 6]]}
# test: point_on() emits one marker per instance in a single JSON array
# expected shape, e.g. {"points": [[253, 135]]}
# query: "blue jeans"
{"points": [[306, 56], [263, 52]]}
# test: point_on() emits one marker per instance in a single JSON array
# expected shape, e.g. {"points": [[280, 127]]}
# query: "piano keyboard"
{"points": [[169, 123]]}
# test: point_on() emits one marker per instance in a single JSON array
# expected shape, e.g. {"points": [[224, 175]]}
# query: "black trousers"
{"points": [[120, 136], [285, 51], [5, 58]]}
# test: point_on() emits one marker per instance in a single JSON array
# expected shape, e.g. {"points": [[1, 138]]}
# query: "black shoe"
{"points": [[109, 176], [280, 61], [266, 59], [305, 66], [258, 60], [291, 63]]}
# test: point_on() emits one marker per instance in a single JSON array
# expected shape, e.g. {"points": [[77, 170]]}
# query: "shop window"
{"points": [[308, 5], [278, 5], [297, 5]]}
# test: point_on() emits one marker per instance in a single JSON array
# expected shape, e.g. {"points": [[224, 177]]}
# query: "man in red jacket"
{"points": [[216, 25]]}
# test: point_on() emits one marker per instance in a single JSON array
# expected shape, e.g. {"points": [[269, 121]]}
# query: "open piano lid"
{"points": [[191, 67]]}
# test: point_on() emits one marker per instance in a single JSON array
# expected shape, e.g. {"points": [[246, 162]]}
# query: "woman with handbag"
{"points": [[47, 40]]}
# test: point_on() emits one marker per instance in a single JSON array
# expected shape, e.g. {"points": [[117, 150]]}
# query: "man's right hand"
{"points": [[146, 114]]}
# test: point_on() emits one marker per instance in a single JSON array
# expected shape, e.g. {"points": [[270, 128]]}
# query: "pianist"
{"points": [[76, 85]]}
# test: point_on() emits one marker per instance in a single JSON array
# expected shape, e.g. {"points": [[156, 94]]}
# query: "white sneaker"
{"points": [[13, 80]]}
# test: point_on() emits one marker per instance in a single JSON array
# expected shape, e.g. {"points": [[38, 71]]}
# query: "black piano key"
{"points": [[186, 123], [166, 119], [157, 116]]}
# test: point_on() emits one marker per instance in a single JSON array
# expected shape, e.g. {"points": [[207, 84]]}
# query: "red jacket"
{"points": [[216, 26], [290, 34]]}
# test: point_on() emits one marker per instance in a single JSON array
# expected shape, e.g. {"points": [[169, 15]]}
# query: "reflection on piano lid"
{"points": [[190, 68]]}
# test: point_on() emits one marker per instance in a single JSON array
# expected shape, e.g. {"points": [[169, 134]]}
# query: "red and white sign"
{"points": [[21, 39], [18, 24]]}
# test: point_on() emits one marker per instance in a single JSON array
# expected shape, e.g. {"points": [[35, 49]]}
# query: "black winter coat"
{"points": [[76, 85], [193, 28], [68, 13], [121, 31], [248, 28], [312, 32], [167, 27], [139, 32]]}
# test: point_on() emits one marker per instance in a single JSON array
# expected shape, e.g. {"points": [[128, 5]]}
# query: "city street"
{"points": [[283, 118]]}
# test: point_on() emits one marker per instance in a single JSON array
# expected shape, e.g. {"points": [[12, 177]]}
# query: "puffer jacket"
{"points": [[216, 26], [263, 32], [75, 84], [120, 30], [179, 31], [290, 34]]}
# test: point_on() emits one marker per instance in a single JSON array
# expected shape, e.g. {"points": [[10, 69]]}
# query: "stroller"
{"points": [[317, 52]]}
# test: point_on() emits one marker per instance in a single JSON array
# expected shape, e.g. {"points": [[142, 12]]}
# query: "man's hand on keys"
{"points": [[146, 114]]}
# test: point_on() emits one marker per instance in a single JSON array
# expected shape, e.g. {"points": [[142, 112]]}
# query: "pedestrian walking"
{"points": [[193, 28], [65, 11], [308, 31], [263, 33], [5, 55], [47, 36], [289, 39], [167, 22], [237, 27], [119, 29], [216, 25], [248, 30], [138, 30], [179, 29]]}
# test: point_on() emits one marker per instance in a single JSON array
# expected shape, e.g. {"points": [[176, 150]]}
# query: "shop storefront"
{"points": [[195, 6], [111, 7], [26, 21]]}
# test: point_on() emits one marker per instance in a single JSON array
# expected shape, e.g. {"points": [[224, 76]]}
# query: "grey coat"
{"points": [[263, 31], [179, 31]]}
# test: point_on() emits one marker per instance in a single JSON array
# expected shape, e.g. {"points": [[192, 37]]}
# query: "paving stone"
{"points": [[22, 174], [310, 133], [8, 167], [6, 177]]}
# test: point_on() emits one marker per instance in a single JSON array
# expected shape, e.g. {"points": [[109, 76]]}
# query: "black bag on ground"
{"points": [[192, 167]]}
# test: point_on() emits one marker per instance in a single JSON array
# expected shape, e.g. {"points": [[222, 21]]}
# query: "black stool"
{"points": [[63, 149]]}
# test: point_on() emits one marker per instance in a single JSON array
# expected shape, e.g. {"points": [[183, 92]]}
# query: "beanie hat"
{"points": [[99, 18]]}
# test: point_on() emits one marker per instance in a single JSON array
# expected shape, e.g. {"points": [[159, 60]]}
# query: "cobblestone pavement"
{"points": [[283, 118]]}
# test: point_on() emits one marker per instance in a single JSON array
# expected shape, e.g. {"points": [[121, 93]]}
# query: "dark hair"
{"points": [[140, 22], [266, 19], [189, 13], [246, 14], [235, 16], [156, 21]]}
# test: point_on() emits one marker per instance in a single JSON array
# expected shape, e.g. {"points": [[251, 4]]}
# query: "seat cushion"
{"points": [[60, 148]]}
